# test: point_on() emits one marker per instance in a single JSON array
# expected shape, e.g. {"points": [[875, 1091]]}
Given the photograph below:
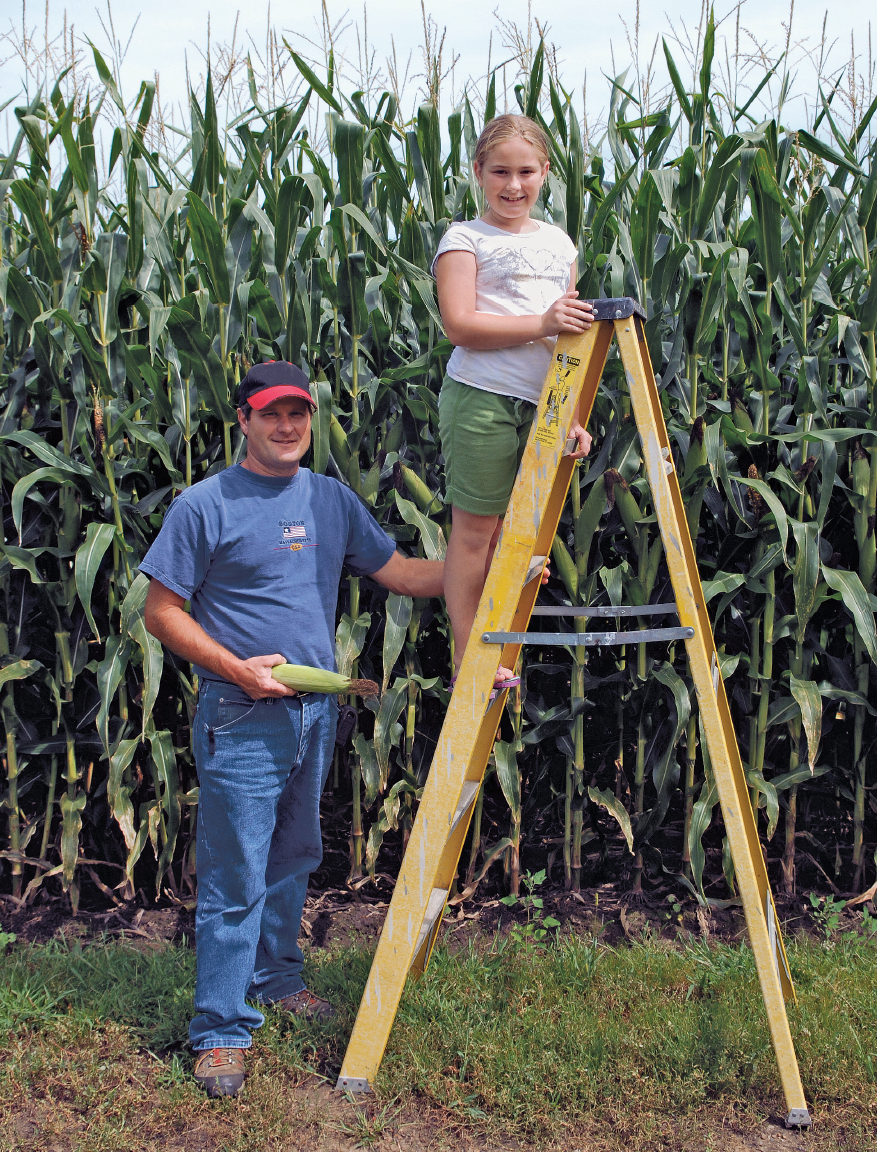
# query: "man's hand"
{"points": [[254, 677], [583, 441]]}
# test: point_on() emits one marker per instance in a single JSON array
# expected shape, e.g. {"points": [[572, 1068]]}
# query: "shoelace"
{"points": [[221, 1057], [306, 999]]}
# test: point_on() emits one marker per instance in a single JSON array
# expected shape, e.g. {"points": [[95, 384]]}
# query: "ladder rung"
{"points": [[617, 637], [602, 610]]}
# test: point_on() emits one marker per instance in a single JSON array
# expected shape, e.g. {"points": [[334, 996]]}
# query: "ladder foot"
{"points": [[355, 1085], [798, 1116]]}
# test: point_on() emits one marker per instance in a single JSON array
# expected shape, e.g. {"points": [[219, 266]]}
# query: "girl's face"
{"points": [[511, 178]]}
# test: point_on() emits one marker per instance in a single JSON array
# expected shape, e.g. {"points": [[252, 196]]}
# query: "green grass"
{"points": [[538, 1040], [573, 1045]]}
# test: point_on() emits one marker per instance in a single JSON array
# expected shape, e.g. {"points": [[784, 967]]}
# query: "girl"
{"points": [[506, 290]]}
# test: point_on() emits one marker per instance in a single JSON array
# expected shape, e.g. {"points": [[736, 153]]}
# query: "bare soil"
{"points": [[344, 917]]}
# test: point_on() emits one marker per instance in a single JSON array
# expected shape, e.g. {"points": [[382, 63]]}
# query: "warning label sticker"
{"points": [[547, 424]]}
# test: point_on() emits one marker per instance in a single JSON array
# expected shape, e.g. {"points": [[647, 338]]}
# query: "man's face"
{"points": [[278, 437]]}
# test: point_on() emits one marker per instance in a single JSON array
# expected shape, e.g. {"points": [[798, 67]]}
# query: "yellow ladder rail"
{"points": [[470, 727]]}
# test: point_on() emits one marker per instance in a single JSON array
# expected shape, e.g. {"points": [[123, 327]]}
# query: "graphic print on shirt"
{"points": [[295, 535], [512, 269]]}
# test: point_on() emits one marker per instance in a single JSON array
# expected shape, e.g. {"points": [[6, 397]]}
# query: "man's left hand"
{"points": [[583, 442]]}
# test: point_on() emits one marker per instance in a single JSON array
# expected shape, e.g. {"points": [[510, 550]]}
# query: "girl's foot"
{"points": [[503, 679]]}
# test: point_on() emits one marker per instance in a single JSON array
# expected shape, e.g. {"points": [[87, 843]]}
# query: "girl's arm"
{"points": [[456, 282]]}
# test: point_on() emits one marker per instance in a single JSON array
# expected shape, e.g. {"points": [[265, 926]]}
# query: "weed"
{"points": [[370, 1128], [868, 924], [826, 913], [174, 1072], [676, 910], [536, 928]]}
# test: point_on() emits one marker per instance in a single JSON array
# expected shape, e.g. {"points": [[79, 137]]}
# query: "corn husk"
{"points": [[309, 680]]}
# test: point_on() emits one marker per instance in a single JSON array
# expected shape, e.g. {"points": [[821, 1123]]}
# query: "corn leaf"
{"points": [[857, 602], [98, 539], [399, 614], [604, 798], [810, 703]]}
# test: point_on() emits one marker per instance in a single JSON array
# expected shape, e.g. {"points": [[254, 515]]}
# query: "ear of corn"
{"points": [[309, 680]]}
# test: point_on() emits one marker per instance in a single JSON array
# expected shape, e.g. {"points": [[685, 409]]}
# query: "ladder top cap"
{"points": [[616, 308]]}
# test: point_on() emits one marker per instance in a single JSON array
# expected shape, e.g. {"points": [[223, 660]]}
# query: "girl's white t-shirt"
{"points": [[517, 274]]}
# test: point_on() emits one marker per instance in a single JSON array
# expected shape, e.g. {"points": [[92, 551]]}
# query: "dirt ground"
{"points": [[343, 917], [321, 1120]]}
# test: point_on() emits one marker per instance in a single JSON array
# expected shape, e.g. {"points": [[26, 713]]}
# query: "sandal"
{"points": [[509, 683]]}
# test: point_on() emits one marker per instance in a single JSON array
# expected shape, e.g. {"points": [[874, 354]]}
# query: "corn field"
{"points": [[136, 294]]}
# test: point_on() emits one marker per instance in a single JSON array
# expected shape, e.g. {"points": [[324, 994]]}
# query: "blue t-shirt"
{"points": [[260, 558]]}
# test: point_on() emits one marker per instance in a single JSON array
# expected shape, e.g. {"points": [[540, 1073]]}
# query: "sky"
{"points": [[590, 38]]}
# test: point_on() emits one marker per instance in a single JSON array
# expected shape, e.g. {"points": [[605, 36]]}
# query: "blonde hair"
{"points": [[507, 127]]}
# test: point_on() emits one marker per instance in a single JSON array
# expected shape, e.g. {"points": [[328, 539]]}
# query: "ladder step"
{"points": [[435, 906], [537, 565], [467, 795], [617, 637], [602, 610]]}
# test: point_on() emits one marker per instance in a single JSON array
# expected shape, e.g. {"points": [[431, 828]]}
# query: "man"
{"points": [[258, 551]]}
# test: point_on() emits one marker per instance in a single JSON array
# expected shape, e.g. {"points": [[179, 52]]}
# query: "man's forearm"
{"points": [[425, 578], [412, 576], [182, 634], [167, 620]]}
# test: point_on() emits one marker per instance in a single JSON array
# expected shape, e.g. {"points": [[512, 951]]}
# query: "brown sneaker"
{"points": [[220, 1071], [306, 1005]]}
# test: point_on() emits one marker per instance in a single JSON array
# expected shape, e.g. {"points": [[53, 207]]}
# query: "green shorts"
{"points": [[483, 438]]}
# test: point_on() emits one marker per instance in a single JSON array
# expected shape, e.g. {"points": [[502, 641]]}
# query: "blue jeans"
{"points": [[261, 766]]}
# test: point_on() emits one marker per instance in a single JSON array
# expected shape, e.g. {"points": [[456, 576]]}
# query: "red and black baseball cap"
{"points": [[268, 382]]}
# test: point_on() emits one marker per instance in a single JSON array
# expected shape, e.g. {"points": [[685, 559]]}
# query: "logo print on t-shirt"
{"points": [[294, 535]]}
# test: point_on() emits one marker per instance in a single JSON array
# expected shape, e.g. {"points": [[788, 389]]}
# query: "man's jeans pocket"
{"points": [[229, 711], [224, 709]]}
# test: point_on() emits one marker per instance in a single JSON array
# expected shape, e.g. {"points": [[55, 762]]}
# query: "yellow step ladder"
{"points": [[470, 727]]}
